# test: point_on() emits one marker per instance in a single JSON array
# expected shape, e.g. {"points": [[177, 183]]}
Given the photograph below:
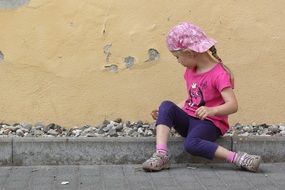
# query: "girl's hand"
{"points": [[154, 114], [203, 112]]}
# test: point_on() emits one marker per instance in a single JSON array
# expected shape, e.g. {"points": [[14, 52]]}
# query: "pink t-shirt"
{"points": [[204, 89]]}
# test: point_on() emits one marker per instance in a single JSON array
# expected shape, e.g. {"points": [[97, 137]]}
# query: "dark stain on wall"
{"points": [[12, 4]]}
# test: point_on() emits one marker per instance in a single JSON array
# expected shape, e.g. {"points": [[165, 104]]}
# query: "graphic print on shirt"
{"points": [[196, 98]]}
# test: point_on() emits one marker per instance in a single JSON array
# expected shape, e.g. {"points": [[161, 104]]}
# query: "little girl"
{"points": [[203, 116]]}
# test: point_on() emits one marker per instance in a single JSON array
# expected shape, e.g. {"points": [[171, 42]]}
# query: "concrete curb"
{"points": [[272, 149], [88, 151], [6, 151]]}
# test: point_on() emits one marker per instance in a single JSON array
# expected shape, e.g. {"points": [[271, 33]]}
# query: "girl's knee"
{"points": [[166, 106], [192, 146]]}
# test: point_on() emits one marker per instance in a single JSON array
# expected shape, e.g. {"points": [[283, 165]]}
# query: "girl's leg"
{"points": [[225, 154], [201, 138], [240, 159], [169, 115], [162, 133], [200, 142]]}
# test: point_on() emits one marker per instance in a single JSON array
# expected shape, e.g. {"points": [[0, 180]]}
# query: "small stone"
{"points": [[264, 126], [118, 120], [135, 134], [28, 135], [106, 122], [48, 127], [101, 131], [119, 127], [108, 127], [48, 136], [88, 130], [38, 133], [12, 128], [7, 131], [127, 124], [85, 127], [282, 127], [259, 132], [140, 130], [244, 134], [131, 131], [91, 135], [282, 133], [148, 133], [39, 126], [20, 133], [248, 128], [52, 132], [140, 123], [265, 135], [113, 133], [152, 125], [273, 128], [69, 132], [64, 182], [255, 129], [145, 126], [27, 126], [238, 126], [77, 132]]}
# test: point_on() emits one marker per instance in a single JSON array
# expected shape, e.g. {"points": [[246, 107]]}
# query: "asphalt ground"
{"points": [[131, 177]]}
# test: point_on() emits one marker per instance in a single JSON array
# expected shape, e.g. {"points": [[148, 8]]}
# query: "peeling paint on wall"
{"points": [[153, 55], [12, 4], [1, 57], [112, 68], [107, 52], [129, 61]]}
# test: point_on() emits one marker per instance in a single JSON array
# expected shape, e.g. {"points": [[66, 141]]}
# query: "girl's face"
{"points": [[185, 58]]}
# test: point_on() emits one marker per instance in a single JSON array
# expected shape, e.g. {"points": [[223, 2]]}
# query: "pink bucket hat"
{"points": [[187, 36]]}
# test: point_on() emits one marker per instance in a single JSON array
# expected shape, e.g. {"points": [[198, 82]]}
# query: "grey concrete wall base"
{"points": [[271, 149], [67, 151], [54, 151], [64, 151], [6, 157]]}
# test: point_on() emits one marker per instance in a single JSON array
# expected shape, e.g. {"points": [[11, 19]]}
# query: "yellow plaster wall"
{"points": [[53, 67]]}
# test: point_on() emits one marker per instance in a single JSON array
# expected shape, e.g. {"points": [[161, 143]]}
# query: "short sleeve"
{"points": [[223, 81]]}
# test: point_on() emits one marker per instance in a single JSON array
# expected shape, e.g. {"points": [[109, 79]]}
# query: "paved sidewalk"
{"points": [[131, 177]]}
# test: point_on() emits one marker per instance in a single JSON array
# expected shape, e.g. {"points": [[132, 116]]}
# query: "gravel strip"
{"points": [[120, 128]]}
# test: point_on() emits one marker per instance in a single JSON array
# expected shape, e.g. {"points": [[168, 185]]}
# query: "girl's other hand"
{"points": [[154, 114], [203, 112]]}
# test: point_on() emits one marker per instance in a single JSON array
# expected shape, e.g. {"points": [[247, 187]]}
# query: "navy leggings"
{"points": [[200, 135]]}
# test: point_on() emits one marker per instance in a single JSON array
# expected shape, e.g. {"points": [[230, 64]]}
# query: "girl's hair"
{"points": [[213, 50]]}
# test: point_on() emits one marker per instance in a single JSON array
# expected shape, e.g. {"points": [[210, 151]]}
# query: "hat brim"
{"points": [[204, 46]]}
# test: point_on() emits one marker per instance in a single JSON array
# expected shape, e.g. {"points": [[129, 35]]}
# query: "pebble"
{"points": [[64, 182], [256, 130], [120, 128]]}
